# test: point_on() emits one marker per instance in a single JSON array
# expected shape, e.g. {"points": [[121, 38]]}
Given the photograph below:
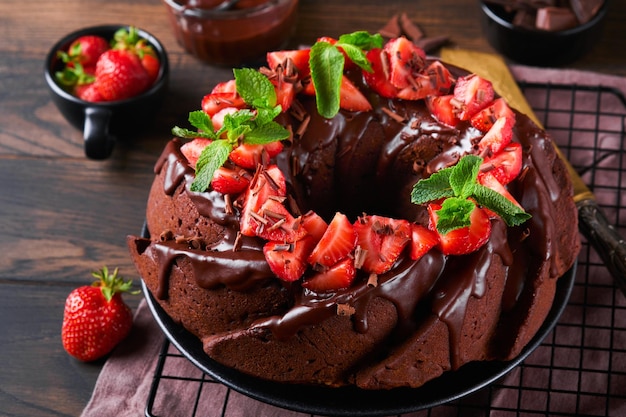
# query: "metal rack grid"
{"points": [[580, 368]]}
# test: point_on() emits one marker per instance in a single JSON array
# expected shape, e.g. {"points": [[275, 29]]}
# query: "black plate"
{"points": [[351, 401]]}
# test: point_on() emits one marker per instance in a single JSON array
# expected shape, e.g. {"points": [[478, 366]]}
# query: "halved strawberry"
{"points": [[218, 118], [214, 102], [336, 243], [230, 181], [473, 93], [285, 92], [250, 155], [422, 240], [466, 239], [274, 222], [435, 80], [383, 239], [192, 150], [497, 137], [441, 78], [484, 119], [351, 98], [314, 224], [406, 60], [298, 57], [506, 165], [267, 182], [377, 79], [443, 109], [288, 260], [229, 86], [337, 277]]}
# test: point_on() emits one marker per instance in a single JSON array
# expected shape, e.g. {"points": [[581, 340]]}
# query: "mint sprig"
{"points": [[327, 62], [460, 188], [254, 125]]}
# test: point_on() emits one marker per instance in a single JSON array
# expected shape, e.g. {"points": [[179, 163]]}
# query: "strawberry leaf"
{"points": [[211, 158], [326, 64]]}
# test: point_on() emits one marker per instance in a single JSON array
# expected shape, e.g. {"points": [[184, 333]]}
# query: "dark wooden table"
{"points": [[62, 216]]}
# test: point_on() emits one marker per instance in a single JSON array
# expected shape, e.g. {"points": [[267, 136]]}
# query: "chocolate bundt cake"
{"points": [[332, 252]]}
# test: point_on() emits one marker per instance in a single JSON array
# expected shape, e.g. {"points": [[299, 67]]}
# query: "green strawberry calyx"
{"points": [[458, 186], [254, 126], [112, 284]]}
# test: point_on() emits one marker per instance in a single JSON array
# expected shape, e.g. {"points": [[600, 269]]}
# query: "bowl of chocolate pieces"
{"points": [[543, 32]]}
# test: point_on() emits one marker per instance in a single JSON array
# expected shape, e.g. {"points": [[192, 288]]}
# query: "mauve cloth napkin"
{"points": [[123, 386]]}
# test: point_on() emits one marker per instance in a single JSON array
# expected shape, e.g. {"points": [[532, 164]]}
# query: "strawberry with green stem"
{"points": [[96, 318]]}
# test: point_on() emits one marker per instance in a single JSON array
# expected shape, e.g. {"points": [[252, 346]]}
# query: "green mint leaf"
{"points": [[201, 121], [355, 44], [191, 134], [266, 133], [433, 188], [496, 202], [326, 64], [454, 214], [211, 158], [266, 115], [362, 40], [255, 88], [464, 175]]}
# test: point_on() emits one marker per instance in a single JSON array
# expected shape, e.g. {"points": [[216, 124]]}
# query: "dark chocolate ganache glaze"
{"points": [[367, 163]]}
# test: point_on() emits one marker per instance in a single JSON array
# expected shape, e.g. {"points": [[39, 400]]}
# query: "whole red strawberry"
{"points": [[85, 50], [120, 75], [96, 318]]}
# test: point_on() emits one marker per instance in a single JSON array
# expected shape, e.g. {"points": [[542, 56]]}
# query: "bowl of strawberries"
{"points": [[106, 80]]}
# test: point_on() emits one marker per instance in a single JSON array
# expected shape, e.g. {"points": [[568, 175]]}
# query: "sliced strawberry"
{"points": [[466, 239], [422, 240], [484, 119], [406, 60], [383, 239], [267, 182], [285, 93], [337, 277], [377, 79], [214, 102], [229, 86], [274, 222], [506, 165], [249, 155], [490, 181], [298, 57], [336, 243], [193, 149], [230, 181], [351, 98], [473, 93], [314, 224], [497, 137], [288, 260], [443, 109]]}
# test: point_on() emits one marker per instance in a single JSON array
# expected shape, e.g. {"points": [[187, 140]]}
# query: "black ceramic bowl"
{"points": [[539, 47], [105, 122]]}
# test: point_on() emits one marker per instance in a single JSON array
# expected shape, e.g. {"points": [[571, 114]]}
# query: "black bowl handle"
{"points": [[98, 142]]}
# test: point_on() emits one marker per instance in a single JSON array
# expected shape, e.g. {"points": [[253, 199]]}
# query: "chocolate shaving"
{"points": [[237, 243], [395, 116], [372, 281], [359, 256]]}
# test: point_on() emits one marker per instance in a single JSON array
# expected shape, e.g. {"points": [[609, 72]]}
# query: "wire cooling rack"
{"points": [[580, 368]]}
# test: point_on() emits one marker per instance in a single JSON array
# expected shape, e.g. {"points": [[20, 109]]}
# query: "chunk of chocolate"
{"points": [[555, 18]]}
